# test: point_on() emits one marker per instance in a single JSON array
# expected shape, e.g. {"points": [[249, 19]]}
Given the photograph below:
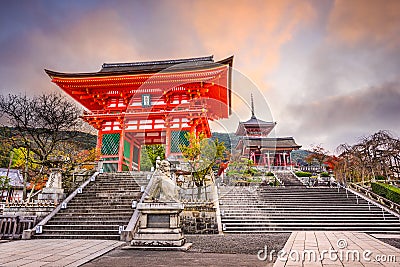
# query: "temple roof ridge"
{"points": [[159, 62]]}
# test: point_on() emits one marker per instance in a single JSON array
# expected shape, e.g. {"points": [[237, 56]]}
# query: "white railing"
{"points": [[370, 201], [382, 200]]}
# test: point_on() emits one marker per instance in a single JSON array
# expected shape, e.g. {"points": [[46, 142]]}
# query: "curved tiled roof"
{"points": [[145, 67], [15, 176]]}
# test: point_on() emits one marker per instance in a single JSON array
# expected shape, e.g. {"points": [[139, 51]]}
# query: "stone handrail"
{"points": [[127, 233], [29, 233], [382, 200], [279, 180]]}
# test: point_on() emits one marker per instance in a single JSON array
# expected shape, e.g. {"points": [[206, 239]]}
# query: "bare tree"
{"points": [[373, 156], [40, 123]]}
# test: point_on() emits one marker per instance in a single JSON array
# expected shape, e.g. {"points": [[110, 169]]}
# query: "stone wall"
{"points": [[38, 212], [199, 219]]}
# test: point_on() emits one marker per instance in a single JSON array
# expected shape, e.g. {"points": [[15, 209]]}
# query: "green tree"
{"points": [[5, 147], [202, 154], [149, 154], [4, 185]]}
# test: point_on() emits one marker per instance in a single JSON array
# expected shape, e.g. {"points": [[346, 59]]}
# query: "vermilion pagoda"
{"points": [[155, 102], [263, 150]]}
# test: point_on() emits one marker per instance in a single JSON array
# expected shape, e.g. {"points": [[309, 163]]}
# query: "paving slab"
{"points": [[53, 252]]}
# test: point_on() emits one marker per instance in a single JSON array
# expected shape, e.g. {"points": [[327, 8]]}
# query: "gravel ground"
{"points": [[237, 243], [395, 242], [207, 250]]}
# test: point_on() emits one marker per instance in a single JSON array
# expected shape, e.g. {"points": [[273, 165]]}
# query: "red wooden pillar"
{"points": [[99, 140], [121, 149], [192, 128], [132, 150], [167, 139], [140, 152]]}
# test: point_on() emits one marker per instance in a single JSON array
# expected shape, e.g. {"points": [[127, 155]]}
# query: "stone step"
{"points": [[301, 212], [297, 204], [97, 214], [99, 210], [81, 219], [235, 221], [79, 236], [307, 217], [87, 227], [88, 222], [291, 229], [312, 223], [116, 205], [306, 208], [80, 231]]}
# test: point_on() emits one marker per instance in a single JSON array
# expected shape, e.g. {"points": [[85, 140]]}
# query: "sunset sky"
{"points": [[328, 70]]}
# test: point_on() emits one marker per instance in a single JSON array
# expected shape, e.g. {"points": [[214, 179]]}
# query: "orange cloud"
{"points": [[254, 31], [366, 22]]}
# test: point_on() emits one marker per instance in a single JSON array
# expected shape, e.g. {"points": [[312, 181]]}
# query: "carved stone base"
{"points": [[159, 225]]}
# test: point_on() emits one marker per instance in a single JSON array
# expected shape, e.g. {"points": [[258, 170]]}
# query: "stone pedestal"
{"points": [[159, 225], [53, 190]]}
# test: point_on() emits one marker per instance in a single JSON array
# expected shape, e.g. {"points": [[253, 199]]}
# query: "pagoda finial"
{"points": [[253, 116]]}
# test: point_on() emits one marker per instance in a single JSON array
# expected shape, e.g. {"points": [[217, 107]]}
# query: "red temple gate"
{"points": [[156, 102]]}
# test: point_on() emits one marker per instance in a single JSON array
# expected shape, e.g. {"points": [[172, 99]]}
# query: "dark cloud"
{"points": [[344, 118]]}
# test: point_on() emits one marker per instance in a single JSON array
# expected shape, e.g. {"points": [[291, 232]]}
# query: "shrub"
{"points": [[254, 180], [303, 174], [388, 191], [269, 174], [324, 174], [380, 177]]}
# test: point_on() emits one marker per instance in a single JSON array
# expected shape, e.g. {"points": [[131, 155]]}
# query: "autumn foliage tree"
{"points": [[202, 154], [319, 155]]}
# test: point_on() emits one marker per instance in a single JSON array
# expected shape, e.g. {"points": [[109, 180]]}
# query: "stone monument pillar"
{"points": [[159, 222], [53, 190]]}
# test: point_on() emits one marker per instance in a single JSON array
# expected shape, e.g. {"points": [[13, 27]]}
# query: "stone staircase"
{"points": [[286, 209], [288, 178], [100, 210]]}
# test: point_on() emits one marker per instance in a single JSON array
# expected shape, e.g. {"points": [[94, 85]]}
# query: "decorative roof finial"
{"points": [[253, 116]]}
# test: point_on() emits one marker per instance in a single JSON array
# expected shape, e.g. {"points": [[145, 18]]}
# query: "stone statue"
{"points": [[163, 188]]}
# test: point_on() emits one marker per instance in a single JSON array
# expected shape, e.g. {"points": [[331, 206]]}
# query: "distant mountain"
{"points": [[300, 156], [230, 139]]}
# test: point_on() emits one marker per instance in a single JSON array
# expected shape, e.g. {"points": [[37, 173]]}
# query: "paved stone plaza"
{"points": [[53, 252], [80, 252]]}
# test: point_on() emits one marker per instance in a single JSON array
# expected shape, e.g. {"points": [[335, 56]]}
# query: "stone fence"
{"points": [[12, 226]]}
